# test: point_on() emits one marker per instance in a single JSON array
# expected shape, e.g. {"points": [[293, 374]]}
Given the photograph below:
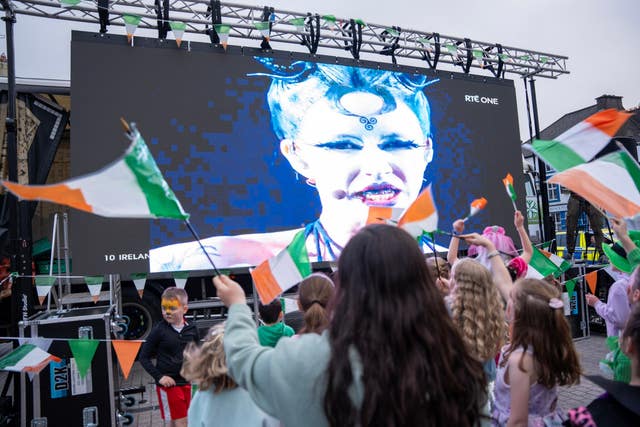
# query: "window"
{"points": [[560, 220], [554, 192]]}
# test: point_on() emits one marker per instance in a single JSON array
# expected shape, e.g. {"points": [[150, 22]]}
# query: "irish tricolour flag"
{"points": [[421, 215], [540, 266], [27, 358], [561, 263], [582, 142], [283, 271], [611, 182], [131, 187]]}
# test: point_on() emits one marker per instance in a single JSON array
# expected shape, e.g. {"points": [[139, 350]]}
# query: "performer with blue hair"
{"points": [[361, 137]]}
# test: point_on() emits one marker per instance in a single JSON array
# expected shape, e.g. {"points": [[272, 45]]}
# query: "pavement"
{"points": [[146, 413]]}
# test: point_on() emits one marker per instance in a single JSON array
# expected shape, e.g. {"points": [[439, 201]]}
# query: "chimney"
{"points": [[609, 101]]}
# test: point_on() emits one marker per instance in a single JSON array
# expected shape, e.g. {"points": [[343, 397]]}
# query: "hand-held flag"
{"points": [[476, 206], [130, 187]]}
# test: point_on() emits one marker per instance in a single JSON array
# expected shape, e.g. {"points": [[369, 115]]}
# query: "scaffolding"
{"points": [[309, 29]]}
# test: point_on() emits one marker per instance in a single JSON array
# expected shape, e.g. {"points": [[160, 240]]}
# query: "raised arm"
{"points": [[501, 276], [527, 247], [452, 255]]}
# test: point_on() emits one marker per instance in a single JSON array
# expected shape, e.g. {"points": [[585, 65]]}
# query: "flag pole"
{"points": [[195, 235]]}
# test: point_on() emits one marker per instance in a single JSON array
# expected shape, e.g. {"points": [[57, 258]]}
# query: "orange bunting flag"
{"points": [[126, 351], [592, 281]]}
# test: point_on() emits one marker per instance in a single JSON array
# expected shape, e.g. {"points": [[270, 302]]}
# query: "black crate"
{"points": [[58, 393]]}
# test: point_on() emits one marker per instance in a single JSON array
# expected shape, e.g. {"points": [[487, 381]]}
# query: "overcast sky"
{"points": [[601, 39]]}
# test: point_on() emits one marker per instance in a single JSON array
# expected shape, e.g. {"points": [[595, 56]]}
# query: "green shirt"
{"points": [[269, 335]]}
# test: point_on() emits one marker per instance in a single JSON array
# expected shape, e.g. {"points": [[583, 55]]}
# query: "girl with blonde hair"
{"points": [[477, 311], [218, 399]]}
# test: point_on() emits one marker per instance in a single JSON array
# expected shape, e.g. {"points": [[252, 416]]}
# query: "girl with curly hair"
{"points": [[477, 312]]}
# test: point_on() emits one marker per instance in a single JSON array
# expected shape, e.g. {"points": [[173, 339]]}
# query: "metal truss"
{"points": [[313, 31]]}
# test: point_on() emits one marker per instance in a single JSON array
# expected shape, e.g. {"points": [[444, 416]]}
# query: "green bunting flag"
{"points": [[94, 283], [178, 30], [392, 32], [131, 23], [223, 32], [570, 285], [180, 277], [330, 19], [69, 3], [139, 280], [298, 23], [263, 27], [43, 286], [83, 351]]}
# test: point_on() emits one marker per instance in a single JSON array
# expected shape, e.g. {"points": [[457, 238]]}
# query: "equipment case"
{"points": [[58, 394]]}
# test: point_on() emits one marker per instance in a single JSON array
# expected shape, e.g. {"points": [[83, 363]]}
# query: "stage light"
{"points": [[162, 14], [265, 25], [103, 15], [432, 46], [215, 13]]}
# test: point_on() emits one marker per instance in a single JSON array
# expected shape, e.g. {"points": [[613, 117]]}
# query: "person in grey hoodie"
{"points": [[391, 355]]}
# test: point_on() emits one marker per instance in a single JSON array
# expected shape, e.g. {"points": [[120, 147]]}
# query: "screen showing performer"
{"points": [[258, 147]]}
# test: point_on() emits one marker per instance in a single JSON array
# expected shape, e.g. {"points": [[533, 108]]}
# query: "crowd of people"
{"points": [[392, 338]]}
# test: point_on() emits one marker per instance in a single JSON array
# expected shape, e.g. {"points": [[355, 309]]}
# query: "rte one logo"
{"points": [[477, 99]]}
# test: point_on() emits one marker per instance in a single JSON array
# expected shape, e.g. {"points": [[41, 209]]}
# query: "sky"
{"points": [[601, 39]]}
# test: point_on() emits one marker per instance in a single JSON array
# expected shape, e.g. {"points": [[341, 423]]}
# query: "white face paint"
{"points": [[376, 160]]}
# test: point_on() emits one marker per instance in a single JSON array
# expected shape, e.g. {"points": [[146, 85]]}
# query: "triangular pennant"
{"points": [[298, 23], [478, 54], [139, 280], [223, 33], [592, 281], [178, 30], [126, 351], [330, 19], [264, 29], [570, 285], [43, 286], [69, 3], [180, 277], [94, 283], [131, 23], [83, 351]]}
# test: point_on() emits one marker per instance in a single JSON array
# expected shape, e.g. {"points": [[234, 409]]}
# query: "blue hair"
{"points": [[295, 88]]}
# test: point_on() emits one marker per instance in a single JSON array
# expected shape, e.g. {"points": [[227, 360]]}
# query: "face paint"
{"points": [[170, 305]]}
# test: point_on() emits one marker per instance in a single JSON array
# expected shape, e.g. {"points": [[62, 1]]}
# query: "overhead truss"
{"points": [[324, 32]]}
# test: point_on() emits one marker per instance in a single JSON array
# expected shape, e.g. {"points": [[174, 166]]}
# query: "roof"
{"points": [[631, 128]]}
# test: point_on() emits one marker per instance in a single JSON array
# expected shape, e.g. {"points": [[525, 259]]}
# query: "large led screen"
{"points": [[261, 148]]}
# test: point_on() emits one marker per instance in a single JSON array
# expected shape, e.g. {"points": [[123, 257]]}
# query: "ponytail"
{"points": [[314, 294]]}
